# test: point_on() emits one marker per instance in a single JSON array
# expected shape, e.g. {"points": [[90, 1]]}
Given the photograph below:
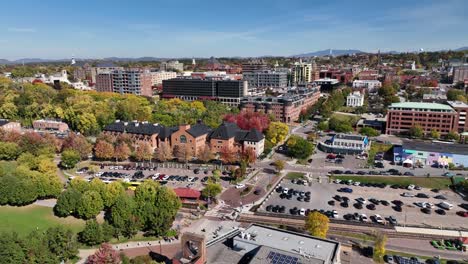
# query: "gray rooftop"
{"points": [[421, 106], [440, 147]]}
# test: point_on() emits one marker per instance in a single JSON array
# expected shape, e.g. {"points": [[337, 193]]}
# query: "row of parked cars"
{"points": [[164, 177], [388, 172]]}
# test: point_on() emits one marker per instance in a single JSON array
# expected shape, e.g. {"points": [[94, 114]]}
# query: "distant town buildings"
{"points": [[460, 74], [367, 84], [253, 66], [355, 99], [50, 125], [171, 66], [158, 77], [266, 79], [226, 91], [301, 72], [285, 108], [7, 125], [401, 117]]}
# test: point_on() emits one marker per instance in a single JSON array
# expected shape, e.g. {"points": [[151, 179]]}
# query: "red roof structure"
{"points": [[187, 193]]}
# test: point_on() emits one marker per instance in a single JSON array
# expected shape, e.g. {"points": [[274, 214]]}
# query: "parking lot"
{"points": [[321, 195], [172, 177]]}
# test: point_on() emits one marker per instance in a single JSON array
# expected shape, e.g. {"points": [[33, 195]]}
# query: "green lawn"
{"points": [[25, 219], [295, 175], [353, 119], [431, 182]]}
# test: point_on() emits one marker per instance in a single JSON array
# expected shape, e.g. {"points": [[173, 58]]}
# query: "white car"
{"points": [[302, 212], [165, 178], [190, 179], [378, 219], [285, 190], [337, 181], [411, 187], [155, 176], [240, 186], [335, 214], [357, 183], [364, 218]]}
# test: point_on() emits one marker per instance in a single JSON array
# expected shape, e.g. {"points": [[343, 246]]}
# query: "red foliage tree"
{"points": [[248, 155], [104, 255], [249, 120], [228, 155], [79, 144], [104, 150]]}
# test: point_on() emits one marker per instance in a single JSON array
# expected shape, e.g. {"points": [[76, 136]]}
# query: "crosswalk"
{"points": [[220, 210]]}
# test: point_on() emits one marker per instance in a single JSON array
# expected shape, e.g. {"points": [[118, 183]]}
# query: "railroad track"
{"points": [[336, 228]]}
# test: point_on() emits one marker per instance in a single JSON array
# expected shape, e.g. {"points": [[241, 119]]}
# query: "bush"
{"points": [[369, 131]]}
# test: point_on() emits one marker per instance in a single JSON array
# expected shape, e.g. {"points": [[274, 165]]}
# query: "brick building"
{"points": [[104, 82], [286, 108], [430, 116], [48, 124], [462, 110], [8, 125]]}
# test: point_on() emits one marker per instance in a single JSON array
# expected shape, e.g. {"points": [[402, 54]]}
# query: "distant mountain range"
{"points": [[337, 52]]}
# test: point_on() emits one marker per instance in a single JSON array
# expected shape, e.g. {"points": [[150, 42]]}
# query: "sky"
{"points": [[202, 28]]}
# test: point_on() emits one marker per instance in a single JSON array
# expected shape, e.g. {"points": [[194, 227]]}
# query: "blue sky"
{"points": [[202, 28]]}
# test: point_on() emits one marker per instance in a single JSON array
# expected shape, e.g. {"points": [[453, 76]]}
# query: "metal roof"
{"points": [[419, 105]]}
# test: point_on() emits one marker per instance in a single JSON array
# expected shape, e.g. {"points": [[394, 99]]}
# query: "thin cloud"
{"points": [[21, 30]]}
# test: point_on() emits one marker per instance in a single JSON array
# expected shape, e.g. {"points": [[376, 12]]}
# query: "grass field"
{"points": [[353, 119], [295, 175], [434, 182], [23, 220]]}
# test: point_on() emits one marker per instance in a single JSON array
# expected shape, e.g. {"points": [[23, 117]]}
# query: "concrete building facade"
{"points": [[171, 65], [301, 73], [158, 77], [132, 81], [355, 99], [367, 84], [460, 74], [266, 79], [462, 110]]}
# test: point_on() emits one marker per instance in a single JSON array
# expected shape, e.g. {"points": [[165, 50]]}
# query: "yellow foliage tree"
{"points": [[317, 224], [379, 247]]}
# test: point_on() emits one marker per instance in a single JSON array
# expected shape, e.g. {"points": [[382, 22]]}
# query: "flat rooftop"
{"points": [[457, 104], [350, 137], [423, 106], [441, 147]]}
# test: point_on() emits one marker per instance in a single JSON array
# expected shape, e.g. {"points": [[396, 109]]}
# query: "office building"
{"points": [[326, 84], [301, 73], [355, 99], [367, 84], [103, 67], [460, 74], [266, 79], [346, 144], [401, 117], [7, 125], [285, 108], [132, 81], [253, 66], [159, 76], [171, 66], [462, 110], [50, 125], [104, 82], [226, 91]]}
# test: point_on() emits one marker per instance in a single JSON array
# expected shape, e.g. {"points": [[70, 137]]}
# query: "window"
{"points": [[183, 139]]}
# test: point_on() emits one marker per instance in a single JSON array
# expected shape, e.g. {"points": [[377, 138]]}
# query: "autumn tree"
{"points": [[70, 158], [78, 143], [228, 155], [416, 131], [435, 134], [248, 120], [164, 152], [248, 155], [122, 151], [143, 151], [277, 132], [279, 165], [379, 247], [204, 153], [104, 255], [104, 150], [90, 205], [317, 224], [211, 189]]}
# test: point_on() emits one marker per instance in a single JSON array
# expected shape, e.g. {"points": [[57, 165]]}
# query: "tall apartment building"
{"points": [[286, 108], [460, 74], [265, 79], [158, 77], [462, 110], [104, 82], [254, 65], [226, 91], [103, 67], [132, 81], [301, 73], [171, 65], [430, 116]]}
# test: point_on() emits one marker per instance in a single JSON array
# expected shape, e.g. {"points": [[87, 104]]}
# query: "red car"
{"points": [[462, 214], [331, 156]]}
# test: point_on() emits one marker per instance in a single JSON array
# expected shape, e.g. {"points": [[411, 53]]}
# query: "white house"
{"points": [[355, 99], [368, 84]]}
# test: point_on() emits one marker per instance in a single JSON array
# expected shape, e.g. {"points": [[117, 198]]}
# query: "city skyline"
{"points": [[120, 29]]}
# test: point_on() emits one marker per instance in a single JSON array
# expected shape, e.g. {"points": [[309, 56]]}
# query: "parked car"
{"points": [[440, 197], [392, 220], [440, 211], [445, 205], [240, 186], [410, 187], [422, 195], [345, 190], [363, 218], [378, 219], [408, 173], [361, 200], [302, 212], [407, 194]]}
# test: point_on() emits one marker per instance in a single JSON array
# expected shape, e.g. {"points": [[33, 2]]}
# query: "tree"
{"points": [[104, 255], [61, 242], [248, 120], [453, 94], [248, 155], [67, 203], [323, 125], [211, 190], [228, 155], [204, 153], [452, 135], [317, 224], [435, 134], [143, 151], [379, 247], [111, 193], [79, 144], [9, 151], [89, 205], [122, 216], [92, 233], [277, 132], [11, 250], [70, 158], [279, 165], [369, 131], [104, 150], [164, 152], [122, 151], [299, 148], [416, 131]]}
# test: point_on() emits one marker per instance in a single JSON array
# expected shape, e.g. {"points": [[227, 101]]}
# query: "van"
{"points": [[446, 205]]}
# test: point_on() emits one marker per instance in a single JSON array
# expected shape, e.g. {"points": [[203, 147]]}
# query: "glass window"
{"points": [[183, 139]]}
